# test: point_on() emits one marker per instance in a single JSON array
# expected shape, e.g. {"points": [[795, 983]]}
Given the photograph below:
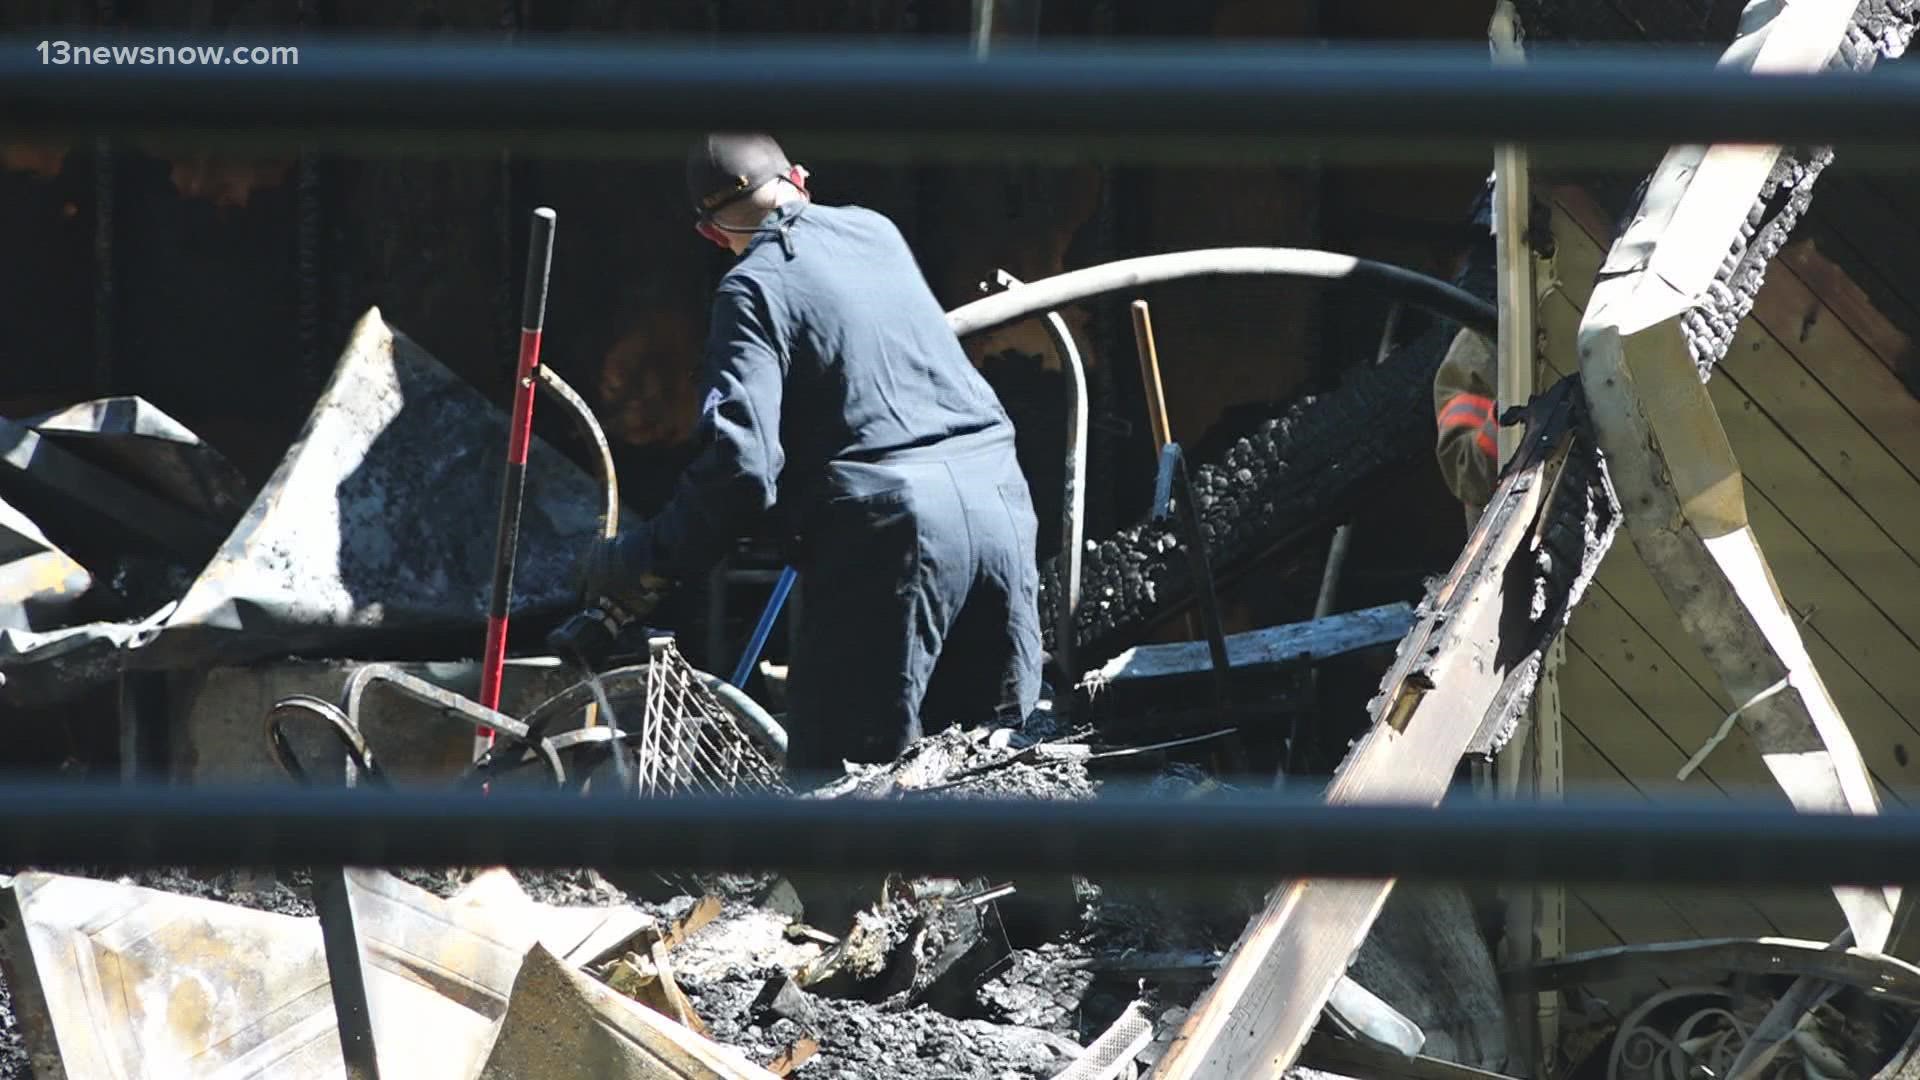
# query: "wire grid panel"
{"points": [[688, 741]]}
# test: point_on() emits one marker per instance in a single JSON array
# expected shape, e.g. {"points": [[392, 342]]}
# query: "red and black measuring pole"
{"points": [[533, 318]]}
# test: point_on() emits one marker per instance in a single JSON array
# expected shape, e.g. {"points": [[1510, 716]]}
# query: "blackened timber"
{"points": [[1287, 483], [1308, 642], [1467, 666]]}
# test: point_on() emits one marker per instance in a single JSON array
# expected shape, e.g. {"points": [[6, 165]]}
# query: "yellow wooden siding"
{"points": [[1829, 441]]}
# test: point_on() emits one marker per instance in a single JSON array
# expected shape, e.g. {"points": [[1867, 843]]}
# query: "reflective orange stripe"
{"points": [[1466, 410], [1472, 411]]}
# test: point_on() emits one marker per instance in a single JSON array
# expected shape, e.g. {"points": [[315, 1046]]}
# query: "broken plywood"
{"points": [[563, 1025], [1463, 676], [114, 980]]}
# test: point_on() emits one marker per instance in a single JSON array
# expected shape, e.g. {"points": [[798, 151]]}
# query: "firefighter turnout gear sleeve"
{"points": [[1463, 402]]}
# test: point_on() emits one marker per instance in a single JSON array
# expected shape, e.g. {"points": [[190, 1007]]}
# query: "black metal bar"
{"points": [[1173, 494], [1271, 836], [341, 941], [1155, 101]]}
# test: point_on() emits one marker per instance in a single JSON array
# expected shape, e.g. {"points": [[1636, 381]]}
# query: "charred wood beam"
{"points": [[1645, 348], [1295, 643], [1686, 271], [1462, 678], [1283, 484]]}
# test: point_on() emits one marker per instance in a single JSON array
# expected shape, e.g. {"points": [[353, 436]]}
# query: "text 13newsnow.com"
{"points": [[67, 53]]}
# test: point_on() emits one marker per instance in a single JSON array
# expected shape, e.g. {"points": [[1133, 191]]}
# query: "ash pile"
{"points": [[484, 974]]}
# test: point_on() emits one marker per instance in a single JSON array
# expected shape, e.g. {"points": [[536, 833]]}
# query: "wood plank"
{"points": [[1272, 646], [1627, 580], [1587, 928], [1666, 689], [1878, 727], [1815, 268], [1593, 772], [1878, 648], [1636, 747], [1591, 775], [1669, 698], [1773, 448], [1826, 432], [1789, 441], [1812, 328], [1624, 579], [1644, 753], [1880, 237], [1276, 981]]}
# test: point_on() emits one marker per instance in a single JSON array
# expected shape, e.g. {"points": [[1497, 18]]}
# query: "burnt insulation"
{"points": [[1294, 476]]}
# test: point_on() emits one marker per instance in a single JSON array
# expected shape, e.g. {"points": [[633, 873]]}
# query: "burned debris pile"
{"points": [[755, 975]]}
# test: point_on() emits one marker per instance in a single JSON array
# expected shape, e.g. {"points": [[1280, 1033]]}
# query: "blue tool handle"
{"points": [[760, 633]]}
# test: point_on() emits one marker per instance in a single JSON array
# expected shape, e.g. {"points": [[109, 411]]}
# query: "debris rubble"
{"points": [[735, 977]]}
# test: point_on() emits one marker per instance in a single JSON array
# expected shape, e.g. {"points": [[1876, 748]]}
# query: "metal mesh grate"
{"points": [[688, 742]]}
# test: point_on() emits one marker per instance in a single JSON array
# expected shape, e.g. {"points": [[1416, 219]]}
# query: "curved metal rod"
{"points": [[1073, 496], [343, 728], [609, 477], [449, 704], [1047, 294], [590, 425], [1887, 977]]}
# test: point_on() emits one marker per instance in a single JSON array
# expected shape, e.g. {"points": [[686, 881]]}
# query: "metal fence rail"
{"points": [[643, 96], [886, 100], [1268, 837]]}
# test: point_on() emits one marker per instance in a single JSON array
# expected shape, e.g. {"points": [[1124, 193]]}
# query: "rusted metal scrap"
{"points": [[363, 540], [1460, 683]]}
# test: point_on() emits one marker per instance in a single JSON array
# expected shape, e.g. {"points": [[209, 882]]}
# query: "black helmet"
{"points": [[724, 168]]}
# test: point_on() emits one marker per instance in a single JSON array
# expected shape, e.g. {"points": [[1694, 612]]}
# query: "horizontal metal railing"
{"points": [[1269, 836], [1153, 103], [642, 96]]}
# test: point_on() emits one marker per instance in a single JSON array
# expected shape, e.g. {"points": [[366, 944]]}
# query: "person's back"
{"points": [[871, 364], [838, 395]]}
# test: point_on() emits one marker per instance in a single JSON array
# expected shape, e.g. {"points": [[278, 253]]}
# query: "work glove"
{"points": [[608, 572]]}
